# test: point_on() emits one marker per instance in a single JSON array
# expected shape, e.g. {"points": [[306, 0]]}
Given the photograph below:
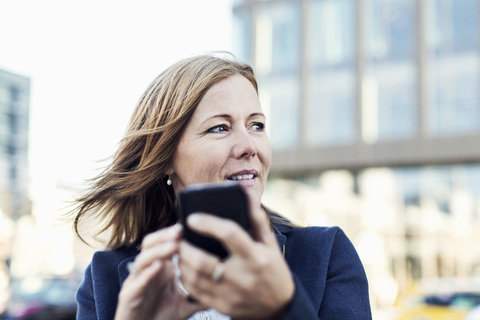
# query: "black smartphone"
{"points": [[225, 200]]}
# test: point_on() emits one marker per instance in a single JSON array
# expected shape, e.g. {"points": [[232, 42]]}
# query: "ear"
{"points": [[170, 172]]}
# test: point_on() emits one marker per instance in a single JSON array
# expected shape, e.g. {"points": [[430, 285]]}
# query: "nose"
{"points": [[244, 146]]}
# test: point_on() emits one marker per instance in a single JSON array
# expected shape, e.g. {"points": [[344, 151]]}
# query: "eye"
{"points": [[218, 129], [258, 126]]}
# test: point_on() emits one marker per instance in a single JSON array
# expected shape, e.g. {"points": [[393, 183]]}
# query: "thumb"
{"points": [[259, 219]]}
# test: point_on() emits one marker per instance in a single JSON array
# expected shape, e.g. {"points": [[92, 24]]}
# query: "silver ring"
{"points": [[218, 272], [131, 269]]}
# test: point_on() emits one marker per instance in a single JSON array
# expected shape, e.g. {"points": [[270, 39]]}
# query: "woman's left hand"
{"points": [[256, 282]]}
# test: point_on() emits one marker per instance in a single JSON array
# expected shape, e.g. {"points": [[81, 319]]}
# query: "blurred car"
{"points": [[439, 299], [42, 298]]}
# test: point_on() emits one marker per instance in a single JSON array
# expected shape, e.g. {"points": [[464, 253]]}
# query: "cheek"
{"points": [[185, 164], [204, 167], [266, 154], [211, 167]]}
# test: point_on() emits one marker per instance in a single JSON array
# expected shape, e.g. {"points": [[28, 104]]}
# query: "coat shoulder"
{"points": [[114, 257], [97, 294]]}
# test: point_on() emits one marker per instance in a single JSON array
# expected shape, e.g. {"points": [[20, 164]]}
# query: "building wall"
{"points": [[14, 123], [14, 179]]}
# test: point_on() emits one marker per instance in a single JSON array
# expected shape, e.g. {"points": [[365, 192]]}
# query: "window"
{"points": [[278, 38], [390, 104], [331, 109], [397, 109], [280, 101], [331, 94], [331, 31], [242, 34], [452, 26], [390, 30], [4, 96], [4, 132], [277, 63], [452, 43]]}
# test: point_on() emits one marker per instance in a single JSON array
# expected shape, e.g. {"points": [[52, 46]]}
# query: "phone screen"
{"points": [[226, 200]]}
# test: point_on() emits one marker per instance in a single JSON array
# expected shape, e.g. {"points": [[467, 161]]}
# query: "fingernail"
{"points": [[194, 219]]}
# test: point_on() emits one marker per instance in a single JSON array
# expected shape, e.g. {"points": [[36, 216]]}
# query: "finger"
{"points": [[197, 259], [163, 235], [260, 221], [196, 271], [226, 231], [136, 285], [159, 252]]}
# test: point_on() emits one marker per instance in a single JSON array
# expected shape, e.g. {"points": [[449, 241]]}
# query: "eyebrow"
{"points": [[227, 116]]}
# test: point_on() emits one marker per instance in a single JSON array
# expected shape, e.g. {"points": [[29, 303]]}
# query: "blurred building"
{"points": [[14, 177], [14, 119], [374, 118]]}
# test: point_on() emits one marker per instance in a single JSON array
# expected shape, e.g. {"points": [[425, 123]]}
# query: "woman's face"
{"points": [[225, 140]]}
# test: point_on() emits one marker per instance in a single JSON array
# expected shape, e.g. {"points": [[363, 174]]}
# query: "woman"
{"points": [[200, 121]]}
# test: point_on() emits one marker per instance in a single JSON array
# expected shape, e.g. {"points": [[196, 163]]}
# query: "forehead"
{"points": [[233, 92], [236, 81]]}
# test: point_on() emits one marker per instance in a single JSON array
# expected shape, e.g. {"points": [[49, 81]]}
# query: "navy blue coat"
{"points": [[329, 277]]}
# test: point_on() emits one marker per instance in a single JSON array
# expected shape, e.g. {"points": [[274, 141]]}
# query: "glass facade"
{"points": [[14, 122], [331, 109], [242, 28], [277, 62], [278, 38], [452, 36], [279, 99], [4, 133], [390, 45], [331, 87]]}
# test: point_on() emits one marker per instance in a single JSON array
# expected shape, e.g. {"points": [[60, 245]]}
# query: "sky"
{"points": [[89, 62]]}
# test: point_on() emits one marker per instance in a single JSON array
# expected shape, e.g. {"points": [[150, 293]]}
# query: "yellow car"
{"points": [[439, 299]]}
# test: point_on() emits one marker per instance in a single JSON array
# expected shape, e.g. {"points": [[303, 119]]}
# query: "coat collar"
{"points": [[281, 239]]}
